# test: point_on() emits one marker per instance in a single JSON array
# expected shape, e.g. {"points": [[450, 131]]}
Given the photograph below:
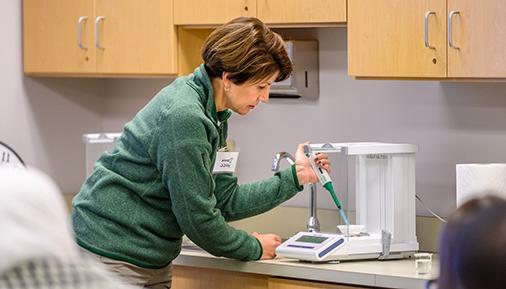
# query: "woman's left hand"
{"points": [[305, 172]]}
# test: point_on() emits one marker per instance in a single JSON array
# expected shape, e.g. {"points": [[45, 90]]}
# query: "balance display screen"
{"points": [[311, 239]]}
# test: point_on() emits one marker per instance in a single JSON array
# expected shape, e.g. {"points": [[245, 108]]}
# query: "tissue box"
{"points": [[475, 180]]}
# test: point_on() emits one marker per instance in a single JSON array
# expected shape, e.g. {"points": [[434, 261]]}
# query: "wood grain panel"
{"points": [[386, 38], [211, 13], [282, 283], [480, 33], [301, 11], [190, 43], [199, 278], [50, 43], [138, 37]]}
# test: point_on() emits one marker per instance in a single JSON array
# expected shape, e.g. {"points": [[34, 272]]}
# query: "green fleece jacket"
{"points": [[157, 184]]}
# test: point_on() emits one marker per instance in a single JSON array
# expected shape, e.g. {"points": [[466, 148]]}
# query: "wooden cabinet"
{"points": [[410, 38], [274, 12], [50, 36], [479, 32], [302, 11], [195, 17], [211, 13], [386, 38], [99, 37], [201, 278], [189, 48], [282, 283], [137, 37]]}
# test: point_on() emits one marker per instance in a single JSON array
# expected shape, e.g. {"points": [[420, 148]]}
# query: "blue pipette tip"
{"points": [[343, 215]]}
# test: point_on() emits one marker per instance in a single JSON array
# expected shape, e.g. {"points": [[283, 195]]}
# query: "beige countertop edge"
{"points": [[387, 274]]}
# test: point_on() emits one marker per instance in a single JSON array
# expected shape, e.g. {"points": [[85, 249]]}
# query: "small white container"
{"points": [[423, 263], [351, 230]]}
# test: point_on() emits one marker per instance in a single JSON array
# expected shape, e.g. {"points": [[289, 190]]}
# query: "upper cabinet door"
{"points": [[478, 37], [301, 11], [397, 38], [216, 12], [58, 37], [135, 37]]}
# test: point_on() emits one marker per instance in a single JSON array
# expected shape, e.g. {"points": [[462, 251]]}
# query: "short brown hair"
{"points": [[247, 49]]}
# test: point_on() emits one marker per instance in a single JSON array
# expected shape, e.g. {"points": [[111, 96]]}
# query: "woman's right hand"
{"points": [[269, 244], [303, 168]]}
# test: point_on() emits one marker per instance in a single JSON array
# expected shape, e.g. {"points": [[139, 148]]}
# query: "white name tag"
{"points": [[225, 162]]}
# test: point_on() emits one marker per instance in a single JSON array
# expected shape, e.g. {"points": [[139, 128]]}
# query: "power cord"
{"points": [[430, 211]]}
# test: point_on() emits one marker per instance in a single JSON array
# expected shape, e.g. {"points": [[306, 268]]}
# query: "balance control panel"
{"points": [[310, 246]]}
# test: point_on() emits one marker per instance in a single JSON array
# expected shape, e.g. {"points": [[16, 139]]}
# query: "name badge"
{"points": [[225, 162]]}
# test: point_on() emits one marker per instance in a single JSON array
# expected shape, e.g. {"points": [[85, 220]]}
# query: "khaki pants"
{"points": [[138, 276]]}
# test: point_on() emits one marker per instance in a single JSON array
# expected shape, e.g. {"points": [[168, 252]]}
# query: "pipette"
{"points": [[325, 181]]}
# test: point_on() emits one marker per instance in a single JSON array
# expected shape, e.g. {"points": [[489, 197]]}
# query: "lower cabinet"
{"points": [[283, 283], [199, 278]]}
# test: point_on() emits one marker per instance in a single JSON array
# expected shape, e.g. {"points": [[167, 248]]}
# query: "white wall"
{"points": [[451, 122], [124, 97], [43, 118]]}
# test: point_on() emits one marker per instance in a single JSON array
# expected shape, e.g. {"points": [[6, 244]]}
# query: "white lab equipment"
{"points": [[381, 180], [313, 225], [96, 144], [325, 181]]}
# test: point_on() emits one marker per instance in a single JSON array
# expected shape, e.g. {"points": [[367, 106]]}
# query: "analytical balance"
{"points": [[381, 178]]}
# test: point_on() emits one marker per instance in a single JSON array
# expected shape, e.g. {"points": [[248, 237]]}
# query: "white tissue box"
{"points": [[475, 180]]}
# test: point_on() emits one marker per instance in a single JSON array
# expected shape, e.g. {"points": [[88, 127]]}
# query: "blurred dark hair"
{"points": [[473, 246], [247, 49]]}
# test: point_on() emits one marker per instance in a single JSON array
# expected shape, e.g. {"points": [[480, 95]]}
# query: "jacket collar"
{"points": [[202, 79]]}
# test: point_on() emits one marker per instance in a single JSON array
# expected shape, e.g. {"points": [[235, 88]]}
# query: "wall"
{"points": [[43, 118], [124, 97], [451, 122]]}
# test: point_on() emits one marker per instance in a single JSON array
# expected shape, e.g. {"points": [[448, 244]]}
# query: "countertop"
{"points": [[387, 274]]}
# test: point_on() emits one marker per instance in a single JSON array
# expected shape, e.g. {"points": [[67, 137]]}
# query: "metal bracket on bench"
{"points": [[386, 240]]}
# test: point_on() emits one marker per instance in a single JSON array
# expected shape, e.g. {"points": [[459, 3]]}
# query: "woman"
{"points": [[473, 243], [158, 183]]}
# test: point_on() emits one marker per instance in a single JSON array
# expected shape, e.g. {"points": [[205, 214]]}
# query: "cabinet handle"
{"points": [[450, 29], [97, 31], [427, 29], [80, 22]]}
